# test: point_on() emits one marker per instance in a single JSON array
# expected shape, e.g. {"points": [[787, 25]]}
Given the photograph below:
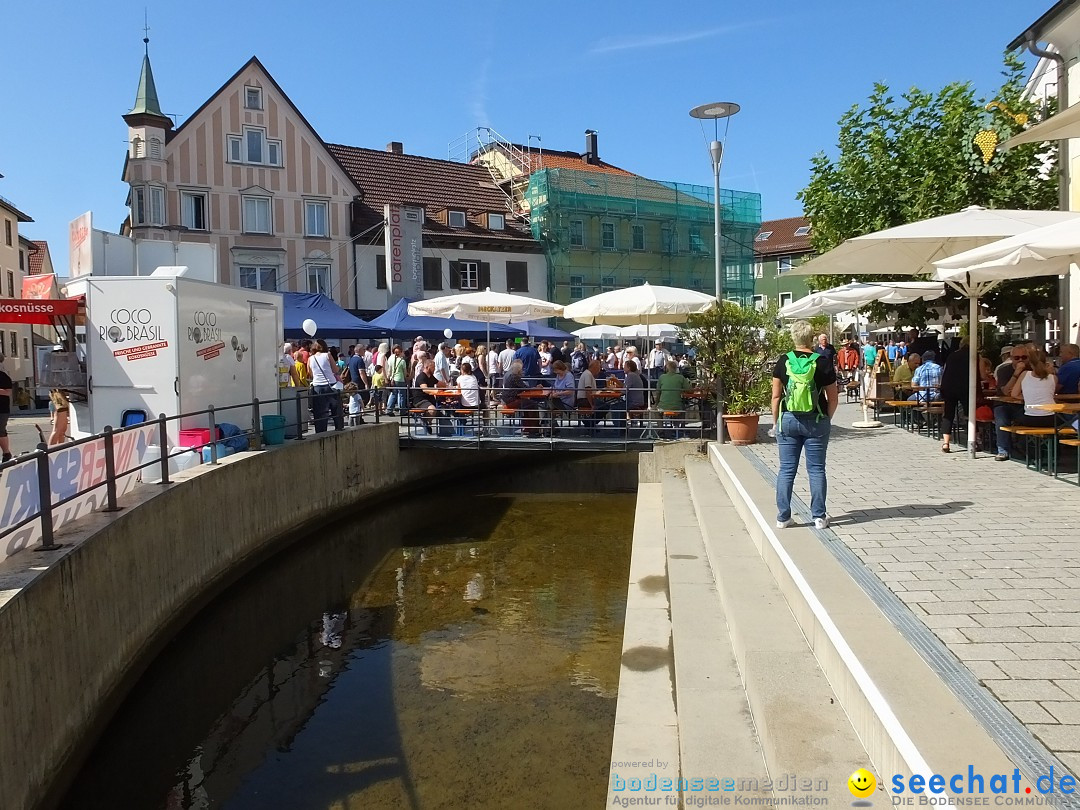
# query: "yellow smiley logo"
{"points": [[862, 783]]}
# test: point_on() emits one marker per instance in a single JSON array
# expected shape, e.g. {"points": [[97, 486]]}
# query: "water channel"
{"points": [[435, 651]]}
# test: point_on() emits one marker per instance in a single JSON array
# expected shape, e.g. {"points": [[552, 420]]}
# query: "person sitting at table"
{"points": [[669, 390], [1068, 374], [906, 371], [512, 386], [468, 386], [1033, 381], [635, 389], [563, 389], [927, 378], [423, 393]]}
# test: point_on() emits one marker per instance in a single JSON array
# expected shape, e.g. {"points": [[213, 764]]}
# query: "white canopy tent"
{"points": [[859, 294], [907, 250], [657, 330], [598, 332], [1045, 251]]}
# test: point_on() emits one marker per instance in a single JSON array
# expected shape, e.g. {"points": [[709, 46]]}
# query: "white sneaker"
{"points": [[821, 523], [783, 524]]}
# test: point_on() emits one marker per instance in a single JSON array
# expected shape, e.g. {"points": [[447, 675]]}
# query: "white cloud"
{"points": [[628, 43]]}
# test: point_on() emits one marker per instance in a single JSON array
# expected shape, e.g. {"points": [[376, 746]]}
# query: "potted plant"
{"points": [[737, 347]]}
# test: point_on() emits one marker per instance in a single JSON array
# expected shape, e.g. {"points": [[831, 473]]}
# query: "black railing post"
{"points": [[213, 435], [256, 424], [163, 446], [299, 414], [110, 471], [45, 498]]}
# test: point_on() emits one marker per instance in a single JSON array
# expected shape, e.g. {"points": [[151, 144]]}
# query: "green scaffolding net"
{"points": [[603, 231]]}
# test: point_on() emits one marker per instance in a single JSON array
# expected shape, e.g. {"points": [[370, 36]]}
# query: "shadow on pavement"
{"points": [[905, 511]]}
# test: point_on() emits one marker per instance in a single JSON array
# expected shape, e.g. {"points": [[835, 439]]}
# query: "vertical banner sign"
{"points": [[404, 252], [80, 256]]}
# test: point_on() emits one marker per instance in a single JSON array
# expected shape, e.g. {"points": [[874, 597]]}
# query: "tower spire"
{"points": [[146, 98]]}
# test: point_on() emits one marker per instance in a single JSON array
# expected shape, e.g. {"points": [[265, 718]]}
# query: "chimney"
{"points": [[591, 155], [395, 147]]}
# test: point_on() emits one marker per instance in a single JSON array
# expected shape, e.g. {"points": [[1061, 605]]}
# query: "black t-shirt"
{"points": [[427, 380], [5, 384], [825, 375]]}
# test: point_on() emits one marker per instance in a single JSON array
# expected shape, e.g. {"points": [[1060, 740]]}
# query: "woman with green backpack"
{"points": [[804, 400]]}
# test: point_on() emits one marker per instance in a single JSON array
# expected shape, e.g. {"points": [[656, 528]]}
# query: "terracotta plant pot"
{"points": [[742, 427]]}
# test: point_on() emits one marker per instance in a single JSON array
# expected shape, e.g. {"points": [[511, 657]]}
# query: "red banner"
{"points": [[39, 287], [28, 310]]}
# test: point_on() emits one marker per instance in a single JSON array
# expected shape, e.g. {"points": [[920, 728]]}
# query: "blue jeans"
{"points": [[799, 432], [396, 398], [1005, 414]]}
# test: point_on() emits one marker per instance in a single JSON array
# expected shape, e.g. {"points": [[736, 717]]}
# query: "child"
{"points": [[356, 405], [378, 382]]}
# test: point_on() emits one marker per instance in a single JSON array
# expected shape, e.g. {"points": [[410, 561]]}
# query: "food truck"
{"points": [[164, 343]]}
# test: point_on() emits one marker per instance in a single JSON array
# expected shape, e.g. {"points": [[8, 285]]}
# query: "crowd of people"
{"points": [[395, 379]]}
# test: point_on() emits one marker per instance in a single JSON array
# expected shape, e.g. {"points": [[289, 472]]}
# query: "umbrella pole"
{"points": [[973, 366]]}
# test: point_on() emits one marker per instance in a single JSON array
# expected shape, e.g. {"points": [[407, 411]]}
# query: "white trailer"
{"points": [[169, 344]]}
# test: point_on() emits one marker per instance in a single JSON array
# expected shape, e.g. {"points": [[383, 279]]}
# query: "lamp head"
{"points": [[717, 109]]}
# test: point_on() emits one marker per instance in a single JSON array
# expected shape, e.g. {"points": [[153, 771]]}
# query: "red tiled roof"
{"points": [[438, 185], [36, 259], [782, 238]]}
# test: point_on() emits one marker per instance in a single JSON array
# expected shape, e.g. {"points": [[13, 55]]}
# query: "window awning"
{"points": [[38, 311], [1066, 124]]}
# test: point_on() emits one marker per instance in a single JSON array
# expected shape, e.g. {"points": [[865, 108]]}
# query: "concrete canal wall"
{"points": [[83, 627]]}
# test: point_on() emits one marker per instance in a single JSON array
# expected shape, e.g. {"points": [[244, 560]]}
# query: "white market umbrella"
{"points": [[644, 303], [1045, 251], [913, 248], [599, 332], [645, 330], [490, 307], [859, 294]]}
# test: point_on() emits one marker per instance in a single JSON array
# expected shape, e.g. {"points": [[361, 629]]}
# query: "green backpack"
{"points": [[802, 395]]}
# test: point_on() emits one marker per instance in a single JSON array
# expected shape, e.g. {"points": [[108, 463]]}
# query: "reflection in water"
{"points": [[473, 665]]}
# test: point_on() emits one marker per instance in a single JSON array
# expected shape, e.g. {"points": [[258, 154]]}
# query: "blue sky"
{"points": [[426, 72]]}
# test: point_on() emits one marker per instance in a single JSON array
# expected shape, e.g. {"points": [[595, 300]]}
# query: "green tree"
{"points": [[907, 159]]}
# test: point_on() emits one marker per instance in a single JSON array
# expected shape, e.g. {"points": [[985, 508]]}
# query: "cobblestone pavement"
{"points": [[986, 554], [22, 433]]}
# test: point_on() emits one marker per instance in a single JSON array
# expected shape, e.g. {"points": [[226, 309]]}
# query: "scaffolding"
{"points": [[604, 231]]}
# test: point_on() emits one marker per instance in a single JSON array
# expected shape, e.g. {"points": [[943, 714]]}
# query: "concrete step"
{"points": [[907, 718], [800, 724]]}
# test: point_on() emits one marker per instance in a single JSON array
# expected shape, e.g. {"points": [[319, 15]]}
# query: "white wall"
{"points": [[372, 298]]}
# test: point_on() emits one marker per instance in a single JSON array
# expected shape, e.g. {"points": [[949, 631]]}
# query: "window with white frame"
{"points": [[759, 270], [577, 288], [253, 98], [732, 272], [193, 210], [157, 205], [255, 142], [316, 218], [759, 302], [273, 153], [783, 264], [667, 244], [607, 283], [763, 236], [147, 205], [457, 219], [257, 215], [607, 235], [577, 233], [138, 205], [318, 278], [259, 278], [469, 273], [496, 222], [637, 237], [254, 147], [785, 298], [802, 230], [236, 149]]}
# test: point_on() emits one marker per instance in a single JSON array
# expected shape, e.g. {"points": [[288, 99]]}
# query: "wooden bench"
{"points": [[902, 408], [1038, 438]]}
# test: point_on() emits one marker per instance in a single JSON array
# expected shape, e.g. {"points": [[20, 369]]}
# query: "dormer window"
{"points": [[253, 98], [496, 222], [763, 236], [457, 219], [803, 230]]}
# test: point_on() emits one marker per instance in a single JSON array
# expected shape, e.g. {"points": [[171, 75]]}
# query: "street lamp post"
{"points": [[714, 112]]}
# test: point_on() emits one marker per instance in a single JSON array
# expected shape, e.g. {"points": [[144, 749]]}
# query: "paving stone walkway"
{"points": [[986, 554]]}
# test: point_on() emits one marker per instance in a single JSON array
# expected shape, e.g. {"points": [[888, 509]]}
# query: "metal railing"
{"points": [[64, 475], [536, 417]]}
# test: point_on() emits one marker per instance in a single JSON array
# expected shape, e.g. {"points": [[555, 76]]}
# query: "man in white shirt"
{"points": [[586, 384], [545, 359], [442, 364], [506, 359], [656, 361], [612, 359]]}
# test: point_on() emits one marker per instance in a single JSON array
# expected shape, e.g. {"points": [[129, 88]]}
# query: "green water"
{"points": [[460, 652]]}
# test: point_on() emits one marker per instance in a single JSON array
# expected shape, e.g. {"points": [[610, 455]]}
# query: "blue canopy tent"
{"points": [[400, 324], [541, 331], [332, 321]]}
